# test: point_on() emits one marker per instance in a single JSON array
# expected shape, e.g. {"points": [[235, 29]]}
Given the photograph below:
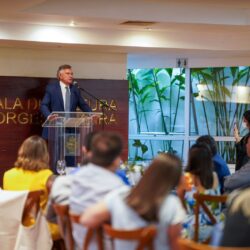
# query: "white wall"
{"points": [[44, 63]]}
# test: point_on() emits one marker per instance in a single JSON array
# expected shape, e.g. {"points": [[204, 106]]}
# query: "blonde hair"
{"points": [[242, 202], [33, 154]]}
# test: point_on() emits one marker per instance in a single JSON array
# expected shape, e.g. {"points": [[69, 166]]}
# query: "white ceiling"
{"points": [[189, 27]]}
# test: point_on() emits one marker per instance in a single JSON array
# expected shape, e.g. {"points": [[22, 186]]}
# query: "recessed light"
{"points": [[72, 24]]}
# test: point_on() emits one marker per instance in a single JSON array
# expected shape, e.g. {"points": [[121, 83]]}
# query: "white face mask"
{"points": [[244, 124]]}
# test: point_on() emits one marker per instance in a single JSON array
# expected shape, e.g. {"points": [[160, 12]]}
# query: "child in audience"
{"points": [[149, 202], [220, 166], [31, 172], [199, 177]]}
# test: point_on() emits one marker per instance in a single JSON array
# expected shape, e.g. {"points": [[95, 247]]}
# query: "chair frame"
{"points": [[65, 220], [200, 202], [32, 204], [75, 218], [65, 227], [144, 236]]}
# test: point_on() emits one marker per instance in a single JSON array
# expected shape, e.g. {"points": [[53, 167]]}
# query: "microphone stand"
{"points": [[97, 99]]}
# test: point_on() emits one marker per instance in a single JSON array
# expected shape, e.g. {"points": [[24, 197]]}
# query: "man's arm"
{"points": [[45, 104], [240, 179]]}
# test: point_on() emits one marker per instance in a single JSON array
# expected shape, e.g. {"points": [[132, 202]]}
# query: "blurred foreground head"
{"points": [[159, 179]]}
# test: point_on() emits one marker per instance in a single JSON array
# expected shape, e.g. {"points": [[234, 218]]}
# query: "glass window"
{"points": [[218, 98], [156, 101], [145, 150]]}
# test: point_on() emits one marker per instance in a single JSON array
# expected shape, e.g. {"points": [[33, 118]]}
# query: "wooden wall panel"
{"points": [[20, 116]]}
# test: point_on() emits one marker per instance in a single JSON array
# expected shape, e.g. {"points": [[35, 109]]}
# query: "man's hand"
{"points": [[52, 117], [236, 133]]}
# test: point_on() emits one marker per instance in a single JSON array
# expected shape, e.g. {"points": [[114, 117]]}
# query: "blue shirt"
{"points": [[221, 168], [122, 174]]}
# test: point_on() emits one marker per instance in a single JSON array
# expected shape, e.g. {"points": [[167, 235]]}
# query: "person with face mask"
{"points": [[241, 178], [241, 154]]}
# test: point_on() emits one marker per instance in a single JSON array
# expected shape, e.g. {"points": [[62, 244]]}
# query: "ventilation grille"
{"points": [[138, 23]]}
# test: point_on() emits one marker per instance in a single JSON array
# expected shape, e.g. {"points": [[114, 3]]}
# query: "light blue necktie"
{"points": [[67, 100]]}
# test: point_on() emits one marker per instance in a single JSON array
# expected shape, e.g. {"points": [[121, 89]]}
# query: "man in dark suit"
{"points": [[62, 96], [55, 94]]}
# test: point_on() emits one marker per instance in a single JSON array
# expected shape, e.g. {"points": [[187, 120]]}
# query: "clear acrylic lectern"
{"points": [[66, 133]]}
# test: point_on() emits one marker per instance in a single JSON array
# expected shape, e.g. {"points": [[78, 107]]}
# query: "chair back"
{"points": [[144, 236], [201, 200], [49, 182], [63, 220], [185, 244], [75, 218], [32, 204]]}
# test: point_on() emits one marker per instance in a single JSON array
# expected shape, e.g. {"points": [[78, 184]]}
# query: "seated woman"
{"points": [[31, 172], [148, 202], [199, 177]]}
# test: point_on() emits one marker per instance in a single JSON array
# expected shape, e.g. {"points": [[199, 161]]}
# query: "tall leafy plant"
{"points": [[218, 87], [155, 95]]}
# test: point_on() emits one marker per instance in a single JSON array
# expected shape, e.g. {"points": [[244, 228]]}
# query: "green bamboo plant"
{"points": [[215, 100], [139, 97], [150, 96]]}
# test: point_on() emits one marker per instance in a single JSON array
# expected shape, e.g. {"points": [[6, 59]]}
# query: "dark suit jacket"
{"points": [[53, 101], [241, 152]]}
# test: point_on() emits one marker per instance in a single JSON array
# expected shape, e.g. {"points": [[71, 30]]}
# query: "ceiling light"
{"points": [[72, 24]]}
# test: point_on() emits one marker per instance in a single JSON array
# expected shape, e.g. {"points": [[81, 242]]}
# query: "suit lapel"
{"points": [[60, 95]]}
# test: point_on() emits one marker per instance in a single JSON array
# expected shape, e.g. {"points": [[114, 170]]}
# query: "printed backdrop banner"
{"points": [[20, 99]]}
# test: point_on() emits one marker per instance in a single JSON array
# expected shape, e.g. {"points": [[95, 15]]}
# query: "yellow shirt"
{"points": [[17, 179]]}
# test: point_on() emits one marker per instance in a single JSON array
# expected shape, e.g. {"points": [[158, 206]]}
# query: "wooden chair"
{"points": [[65, 220], [32, 205], [185, 244], [201, 200], [90, 234], [144, 236], [50, 181], [64, 223]]}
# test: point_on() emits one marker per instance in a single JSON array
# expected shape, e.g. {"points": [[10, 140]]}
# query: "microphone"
{"points": [[75, 83], [104, 105]]}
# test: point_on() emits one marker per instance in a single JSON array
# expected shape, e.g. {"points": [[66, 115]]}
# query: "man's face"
{"points": [[66, 76], [248, 147]]}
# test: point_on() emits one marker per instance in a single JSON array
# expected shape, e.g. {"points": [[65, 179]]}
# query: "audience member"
{"points": [[241, 178], [31, 172], [200, 178], [220, 166], [91, 183], [241, 155], [148, 202], [87, 155], [237, 225], [61, 188]]}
